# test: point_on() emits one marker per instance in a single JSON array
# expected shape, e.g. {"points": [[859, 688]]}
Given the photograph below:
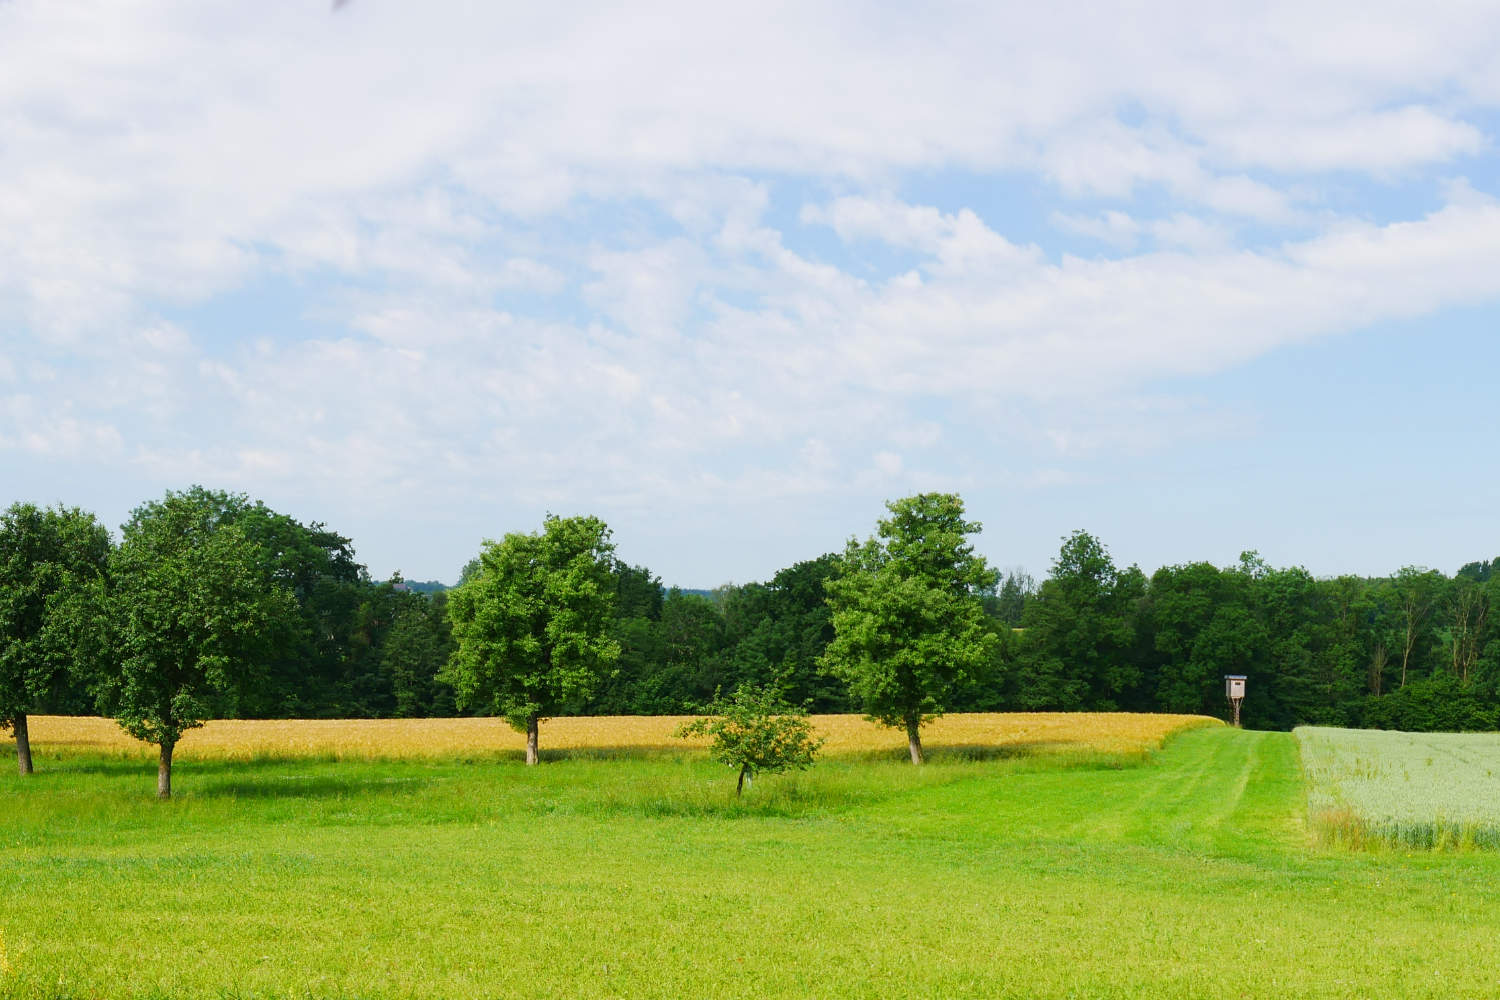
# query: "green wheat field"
{"points": [[1191, 871]]}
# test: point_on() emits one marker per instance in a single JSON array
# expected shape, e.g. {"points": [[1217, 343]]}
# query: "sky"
{"points": [[1197, 278]]}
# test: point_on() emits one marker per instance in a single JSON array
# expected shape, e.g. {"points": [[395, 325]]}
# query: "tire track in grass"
{"points": [[1234, 789], [1232, 792], [1273, 811], [1193, 762]]}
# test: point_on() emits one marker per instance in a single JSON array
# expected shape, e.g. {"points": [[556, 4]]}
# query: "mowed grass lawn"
{"points": [[1187, 874]]}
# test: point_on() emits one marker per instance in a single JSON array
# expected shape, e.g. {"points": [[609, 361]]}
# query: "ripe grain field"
{"points": [[974, 734], [1186, 872]]}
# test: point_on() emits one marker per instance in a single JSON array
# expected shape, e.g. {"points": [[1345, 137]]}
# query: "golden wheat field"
{"points": [[416, 738]]}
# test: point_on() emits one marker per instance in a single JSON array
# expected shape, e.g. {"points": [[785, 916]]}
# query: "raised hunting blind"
{"points": [[1234, 690]]}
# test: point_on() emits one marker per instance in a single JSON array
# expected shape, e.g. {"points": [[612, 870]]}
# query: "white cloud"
{"points": [[538, 254], [691, 411], [1112, 227], [1374, 141], [1190, 232], [150, 153], [958, 242]]}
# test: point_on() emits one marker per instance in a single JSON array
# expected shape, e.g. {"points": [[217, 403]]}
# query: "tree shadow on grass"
{"points": [[292, 786], [93, 766], [634, 751], [1040, 753]]}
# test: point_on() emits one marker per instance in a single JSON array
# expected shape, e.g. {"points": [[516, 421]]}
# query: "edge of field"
{"points": [[1118, 736], [1341, 781]]}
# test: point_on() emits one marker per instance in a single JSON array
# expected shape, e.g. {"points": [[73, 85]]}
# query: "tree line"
{"points": [[278, 619]]}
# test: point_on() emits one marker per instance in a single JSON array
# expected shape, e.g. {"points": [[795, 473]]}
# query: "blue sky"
{"points": [[1197, 278]]}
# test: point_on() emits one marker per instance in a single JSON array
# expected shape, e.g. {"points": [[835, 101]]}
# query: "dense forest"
{"points": [[1416, 650]]}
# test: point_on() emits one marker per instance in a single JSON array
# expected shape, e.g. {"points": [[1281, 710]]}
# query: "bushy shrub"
{"points": [[755, 731], [1440, 704]]}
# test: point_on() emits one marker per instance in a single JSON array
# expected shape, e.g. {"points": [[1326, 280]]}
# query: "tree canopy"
{"points": [[191, 606], [532, 625], [755, 731], [909, 627], [52, 572], [1413, 649]]}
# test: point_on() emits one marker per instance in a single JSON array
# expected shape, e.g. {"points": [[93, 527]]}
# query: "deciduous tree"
{"points": [[908, 623], [1078, 647], [192, 602], [532, 625], [756, 732], [52, 569], [1416, 591]]}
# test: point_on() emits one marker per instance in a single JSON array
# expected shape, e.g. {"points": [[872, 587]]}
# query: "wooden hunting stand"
{"points": [[1234, 690]]}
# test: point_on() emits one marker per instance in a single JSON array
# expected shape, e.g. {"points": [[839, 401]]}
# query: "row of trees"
{"points": [[1416, 650], [209, 606], [214, 606], [533, 622]]}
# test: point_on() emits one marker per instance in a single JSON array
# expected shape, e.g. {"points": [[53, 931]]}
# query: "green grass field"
{"points": [[1190, 875]]}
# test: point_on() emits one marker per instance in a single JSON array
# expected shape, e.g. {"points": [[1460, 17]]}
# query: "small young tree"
{"points": [[532, 624], [52, 564], [191, 605], [756, 732]]}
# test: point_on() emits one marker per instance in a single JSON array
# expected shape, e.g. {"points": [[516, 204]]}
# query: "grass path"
{"points": [[1188, 877]]}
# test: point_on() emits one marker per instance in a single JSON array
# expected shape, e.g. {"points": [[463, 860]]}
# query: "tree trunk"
{"points": [[914, 739], [23, 743], [532, 726], [1377, 669], [164, 772], [740, 785]]}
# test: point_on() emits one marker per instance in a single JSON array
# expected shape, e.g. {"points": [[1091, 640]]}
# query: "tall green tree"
{"points": [[1417, 593], [778, 630], [1078, 650], [533, 625], [1469, 623], [692, 641], [1346, 660], [1203, 629], [1009, 602], [192, 603], [314, 662], [52, 570], [415, 650], [909, 627]]}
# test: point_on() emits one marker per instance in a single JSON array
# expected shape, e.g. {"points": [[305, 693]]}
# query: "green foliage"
{"points": [[192, 605], [776, 632], [1077, 650], [1009, 602], [678, 647], [532, 626], [638, 593], [1091, 636], [908, 626], [756, 732], [52, 588], [1203, 629], [311, 655], [1440, 704], [413, 654]]}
